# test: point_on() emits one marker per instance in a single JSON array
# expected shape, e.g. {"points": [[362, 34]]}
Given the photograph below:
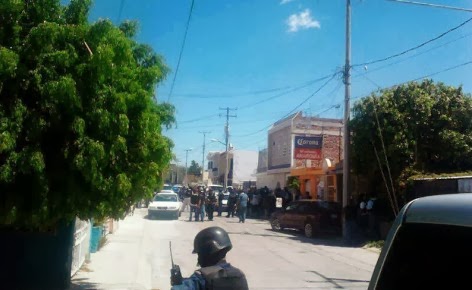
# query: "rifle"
{"points": [[175, 274]]}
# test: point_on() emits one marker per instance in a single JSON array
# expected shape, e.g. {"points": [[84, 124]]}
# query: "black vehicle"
{"points": [[310, 216], [428, 245]]}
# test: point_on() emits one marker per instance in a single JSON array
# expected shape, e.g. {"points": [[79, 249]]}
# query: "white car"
{"points": [[165, 203], [166, 191]]}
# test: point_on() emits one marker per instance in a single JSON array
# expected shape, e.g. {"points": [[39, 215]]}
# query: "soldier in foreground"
{"points": [[211, 245]]}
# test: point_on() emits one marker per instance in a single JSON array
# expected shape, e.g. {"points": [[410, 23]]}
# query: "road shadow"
{"points": [[334, 281], [75, 285], [322, 239], [159, 218]]}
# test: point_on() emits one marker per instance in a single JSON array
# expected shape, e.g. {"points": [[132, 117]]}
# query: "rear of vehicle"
{"points": [[224, 203], [310, 216], [165, 205], [428, 246]]}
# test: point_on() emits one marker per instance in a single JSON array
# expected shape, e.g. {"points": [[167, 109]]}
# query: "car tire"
{"points": [[308, 230], [275, 224]]}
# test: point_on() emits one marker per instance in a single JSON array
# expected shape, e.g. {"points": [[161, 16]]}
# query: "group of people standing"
{"points": [[203, 202]]}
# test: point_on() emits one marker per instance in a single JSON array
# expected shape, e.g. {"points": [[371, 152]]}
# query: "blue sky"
{"points": [[240, 53]]}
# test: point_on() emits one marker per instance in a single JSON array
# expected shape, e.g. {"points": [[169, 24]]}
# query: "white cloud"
{"points": [[302, 20], [285, 1]]}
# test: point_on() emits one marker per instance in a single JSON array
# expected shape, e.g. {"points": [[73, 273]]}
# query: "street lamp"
{"points": [[227, 161], [186, 159]]}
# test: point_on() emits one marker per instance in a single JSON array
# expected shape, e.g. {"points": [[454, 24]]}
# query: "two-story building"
{"points": [[242, 167], [305, 147]]}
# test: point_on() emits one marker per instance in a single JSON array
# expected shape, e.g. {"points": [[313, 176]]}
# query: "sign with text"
{"points": [[308, 148]]}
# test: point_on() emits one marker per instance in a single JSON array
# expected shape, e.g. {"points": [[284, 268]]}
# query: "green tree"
{"points": [[194, 168], [425, 126], [80, 131]]}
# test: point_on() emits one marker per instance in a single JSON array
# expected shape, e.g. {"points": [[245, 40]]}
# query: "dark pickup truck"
{"points": [[429, 246]]}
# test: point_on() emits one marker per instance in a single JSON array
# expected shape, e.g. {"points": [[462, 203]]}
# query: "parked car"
{"points": [[166, 191], [176, 188], [165, 204], [428, 246], [310, 216]]}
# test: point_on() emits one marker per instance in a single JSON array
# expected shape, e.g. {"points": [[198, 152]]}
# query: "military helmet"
{"points": [[211, 240]]}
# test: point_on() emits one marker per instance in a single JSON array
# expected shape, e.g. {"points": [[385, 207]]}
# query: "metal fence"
{"points": [[81, 244]]}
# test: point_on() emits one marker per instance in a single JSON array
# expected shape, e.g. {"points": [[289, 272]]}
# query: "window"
{"points": [[292, 206], [165, 197], [426, 256], [306, 207]]}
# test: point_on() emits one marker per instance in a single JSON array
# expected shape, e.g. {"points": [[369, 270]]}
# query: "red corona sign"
{"points": [[308, 148]]}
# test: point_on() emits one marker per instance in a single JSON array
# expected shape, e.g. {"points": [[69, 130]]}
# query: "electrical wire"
{"points": [[120, 11], [284, 93], [419, 78], [181, 50], [415, 47], [236, 95], [199, 118], [294, 109], [412, 56]]}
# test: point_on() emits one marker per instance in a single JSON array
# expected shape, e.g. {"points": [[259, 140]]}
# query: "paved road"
{"points": [[137, 256]]}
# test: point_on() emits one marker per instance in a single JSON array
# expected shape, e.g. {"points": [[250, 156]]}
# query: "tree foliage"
{"points": [[426, 127], [194, 168], [80, 131]]}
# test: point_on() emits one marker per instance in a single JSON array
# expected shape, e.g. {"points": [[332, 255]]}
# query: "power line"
{"points": [[181, 50], [120, 11], [287, 92], [294, 109], [412, 56], [199, 118], [419, 78], [311, 96], [294, 89], [415, 47], [235, 95], [432, 5]]}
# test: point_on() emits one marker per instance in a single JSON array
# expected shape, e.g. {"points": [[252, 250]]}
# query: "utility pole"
{"points": [[186, 165], [347, 111], [203, 154], [227, 109]]}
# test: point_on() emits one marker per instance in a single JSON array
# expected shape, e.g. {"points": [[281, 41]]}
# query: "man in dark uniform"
{"points": [[210, 201], [194, 201], [211, 245], [221, 197], [232, 199]]}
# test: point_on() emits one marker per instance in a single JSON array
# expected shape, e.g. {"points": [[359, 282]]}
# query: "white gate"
{"points": [[81, 244]]}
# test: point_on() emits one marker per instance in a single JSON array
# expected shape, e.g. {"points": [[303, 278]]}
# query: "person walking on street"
{"points": [[221, 197], [193, 205], [202, 204], [242, 206], [231, 203], [186, 194], [211, 201]]}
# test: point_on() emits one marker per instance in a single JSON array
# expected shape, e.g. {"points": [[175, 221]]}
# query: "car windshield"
{"points": [[165, 197], [167, 187]]}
